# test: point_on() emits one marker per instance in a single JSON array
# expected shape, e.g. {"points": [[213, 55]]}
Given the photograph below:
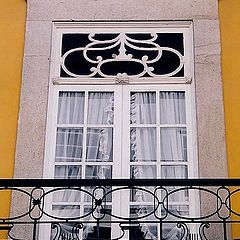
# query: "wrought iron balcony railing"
{"points": [[166, 209]]}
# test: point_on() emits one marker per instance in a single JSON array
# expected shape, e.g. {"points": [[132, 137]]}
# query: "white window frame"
{"points": [[185, 83]]}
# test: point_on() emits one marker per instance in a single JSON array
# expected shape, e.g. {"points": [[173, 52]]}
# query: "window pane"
{"points": [[98, 172], [67, 172], [173, 144], [103, 230], [172, 108], [66, 195], [71, 108], [143, 171], [66, 211], [174, 172], [69, 144], [143, 144], [143, 107], [100, 108], [99, 144]]}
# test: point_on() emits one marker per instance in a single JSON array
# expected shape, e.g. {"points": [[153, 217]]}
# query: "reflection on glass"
{"points": [[66, 211], [145, 193], [69, 144], [103, 231], [100, 108], [98, 172], [143, 230], [139, 211], [143, 107], [143, 171], [175, 211], [67, 172], [172, 172], [173, 144], [143, 144], [71, 108], [66, 195], [172, 108], [99, 144]]}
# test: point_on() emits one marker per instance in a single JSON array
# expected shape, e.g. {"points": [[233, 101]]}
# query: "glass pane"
{"points": [[172, 108], [100, 108], [98, 172], [69, 144], [143, 144], [67, 172], [174, 171], [103, 230], [71, 107], [177, 210], [143, 171], [66, 211], [143, 107], [173, 144], [144, 193], [143, 230], [99, 144], [66, 195], [138, 211]]}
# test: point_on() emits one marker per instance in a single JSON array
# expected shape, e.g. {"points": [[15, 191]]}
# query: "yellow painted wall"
{"points": [[12, 28], [12, 24], [230, 33]]}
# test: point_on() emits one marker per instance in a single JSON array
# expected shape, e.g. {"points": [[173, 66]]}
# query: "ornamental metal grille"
{"points": [[123, 54], [29, 213]]}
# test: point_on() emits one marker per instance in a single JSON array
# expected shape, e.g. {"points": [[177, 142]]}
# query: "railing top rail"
{"points": [[6, 183]]}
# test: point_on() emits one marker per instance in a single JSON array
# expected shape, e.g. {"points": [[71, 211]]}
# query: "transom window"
{"points": [[117, 112]]}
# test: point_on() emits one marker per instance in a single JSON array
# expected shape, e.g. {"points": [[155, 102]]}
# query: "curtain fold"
{"points": [[143, 145], [69, 146], [99, 145]]}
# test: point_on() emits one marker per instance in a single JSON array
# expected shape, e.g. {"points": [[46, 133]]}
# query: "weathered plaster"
{"points": [[47, 10]]}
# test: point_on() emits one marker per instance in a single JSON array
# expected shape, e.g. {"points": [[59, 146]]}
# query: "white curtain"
{"points": [[143, 145], [99, 143], [69, 146]]}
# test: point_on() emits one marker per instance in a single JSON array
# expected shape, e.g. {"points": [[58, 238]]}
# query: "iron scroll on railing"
{"points": [[208, 213]]}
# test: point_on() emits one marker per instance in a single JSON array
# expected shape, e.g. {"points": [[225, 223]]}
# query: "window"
{"points": [[120, 107]]}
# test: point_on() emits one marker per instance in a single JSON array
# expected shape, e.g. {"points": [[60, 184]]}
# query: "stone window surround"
{"points": [[36, 73], [35, 83]]}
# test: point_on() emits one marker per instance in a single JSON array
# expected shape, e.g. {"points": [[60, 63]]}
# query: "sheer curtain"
{"points": [[99, 142], [143, 147], [69, 146], [173, 148], [173, 139], [143, 144], [69, 157]]}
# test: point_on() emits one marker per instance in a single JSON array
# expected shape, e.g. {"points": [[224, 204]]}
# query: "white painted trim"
{"points": [[184, 27], [145, 84]]}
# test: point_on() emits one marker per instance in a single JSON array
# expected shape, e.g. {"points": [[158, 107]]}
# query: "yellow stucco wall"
{"points": [[12, 27], [230, 33], [12, 24]]}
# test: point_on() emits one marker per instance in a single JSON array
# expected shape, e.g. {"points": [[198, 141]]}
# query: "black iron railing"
{"points": [[166, 209]]}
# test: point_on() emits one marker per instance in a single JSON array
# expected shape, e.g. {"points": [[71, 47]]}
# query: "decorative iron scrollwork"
{"points": [[142, 219], [122, 55]]}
